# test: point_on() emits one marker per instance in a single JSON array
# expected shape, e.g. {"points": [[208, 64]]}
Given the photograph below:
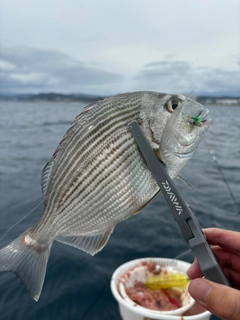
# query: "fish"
{"points": [[97, 176]]}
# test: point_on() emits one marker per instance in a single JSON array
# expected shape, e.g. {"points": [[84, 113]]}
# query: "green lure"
{"points": [[197, 120]]}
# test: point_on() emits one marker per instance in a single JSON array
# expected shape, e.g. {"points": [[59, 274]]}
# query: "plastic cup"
{"points": [[131, 311]]}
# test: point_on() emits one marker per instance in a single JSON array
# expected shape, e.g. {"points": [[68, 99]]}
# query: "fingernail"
{"points": [[199, 290]]}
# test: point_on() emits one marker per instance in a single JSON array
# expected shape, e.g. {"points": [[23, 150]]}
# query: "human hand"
{"points": [[220, 300]]}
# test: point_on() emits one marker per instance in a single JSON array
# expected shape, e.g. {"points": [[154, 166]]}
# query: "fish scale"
{"points": [[111, 182], [97, 141], [79, 157], [97, 176], [88, 172]]}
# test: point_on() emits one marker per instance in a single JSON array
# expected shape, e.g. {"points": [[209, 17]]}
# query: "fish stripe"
{"points": [[99, 177], [116, 203], [98, 139], [79, 137], [101, 134], [115, 119]]}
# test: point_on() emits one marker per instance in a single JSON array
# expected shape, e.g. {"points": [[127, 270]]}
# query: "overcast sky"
{"points": [[112, 46]]}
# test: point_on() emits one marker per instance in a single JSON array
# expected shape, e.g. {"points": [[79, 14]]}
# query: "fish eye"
{"points": [[172, 105]]}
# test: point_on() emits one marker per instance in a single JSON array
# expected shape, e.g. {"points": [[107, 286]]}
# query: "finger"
{"points": [[220, 300], [230, 264], [194, 270], [227, 259], [233, 277], [229, 240]]}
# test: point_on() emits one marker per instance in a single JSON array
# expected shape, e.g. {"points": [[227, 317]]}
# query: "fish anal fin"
{"points": [[89, 244]]}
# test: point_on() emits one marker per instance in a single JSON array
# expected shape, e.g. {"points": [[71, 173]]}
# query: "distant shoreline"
{"points": [[54, 97], [58, 97]]}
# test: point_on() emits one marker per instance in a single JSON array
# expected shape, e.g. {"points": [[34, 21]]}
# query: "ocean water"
{"points": [[77, 285]]}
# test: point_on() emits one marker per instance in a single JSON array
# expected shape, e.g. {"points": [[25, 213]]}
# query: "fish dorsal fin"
{"points": [[48, 167], [179, 177], [89, 106], [45, 176], [89, 244]]}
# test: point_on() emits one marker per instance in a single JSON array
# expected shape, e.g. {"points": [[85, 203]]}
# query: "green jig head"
{"points": [[197, 120]]}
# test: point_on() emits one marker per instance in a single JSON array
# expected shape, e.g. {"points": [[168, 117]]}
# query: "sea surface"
{"points": [[77, 285]]}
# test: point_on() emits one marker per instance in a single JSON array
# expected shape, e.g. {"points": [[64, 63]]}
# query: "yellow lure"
{"points": [[166, 281]]}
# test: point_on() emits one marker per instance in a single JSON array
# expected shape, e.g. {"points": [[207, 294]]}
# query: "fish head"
{"points": [[154, 114], [182, 133]]}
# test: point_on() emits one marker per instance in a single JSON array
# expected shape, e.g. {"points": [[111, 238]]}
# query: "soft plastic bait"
{"points": [[165, 281]]}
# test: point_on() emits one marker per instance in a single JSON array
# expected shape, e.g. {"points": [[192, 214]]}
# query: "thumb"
{"points": [[220, 300]]}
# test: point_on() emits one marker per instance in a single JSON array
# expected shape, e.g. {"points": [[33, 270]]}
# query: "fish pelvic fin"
{"points": [[27, 258], [90, 244]]}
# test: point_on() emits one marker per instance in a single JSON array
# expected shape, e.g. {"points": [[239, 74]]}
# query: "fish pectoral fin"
{"points": [[89, 244], [147, 203]]}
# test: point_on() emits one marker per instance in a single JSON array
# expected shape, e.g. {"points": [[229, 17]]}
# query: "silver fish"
{"points": [[97, 176]]}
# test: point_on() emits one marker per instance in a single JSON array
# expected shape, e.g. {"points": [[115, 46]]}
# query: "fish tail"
{"points": [[27, 258]]}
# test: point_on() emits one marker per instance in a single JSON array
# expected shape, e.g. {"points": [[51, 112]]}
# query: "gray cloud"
{"points": [[29, 70], [181, 76], [25, 69]]}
